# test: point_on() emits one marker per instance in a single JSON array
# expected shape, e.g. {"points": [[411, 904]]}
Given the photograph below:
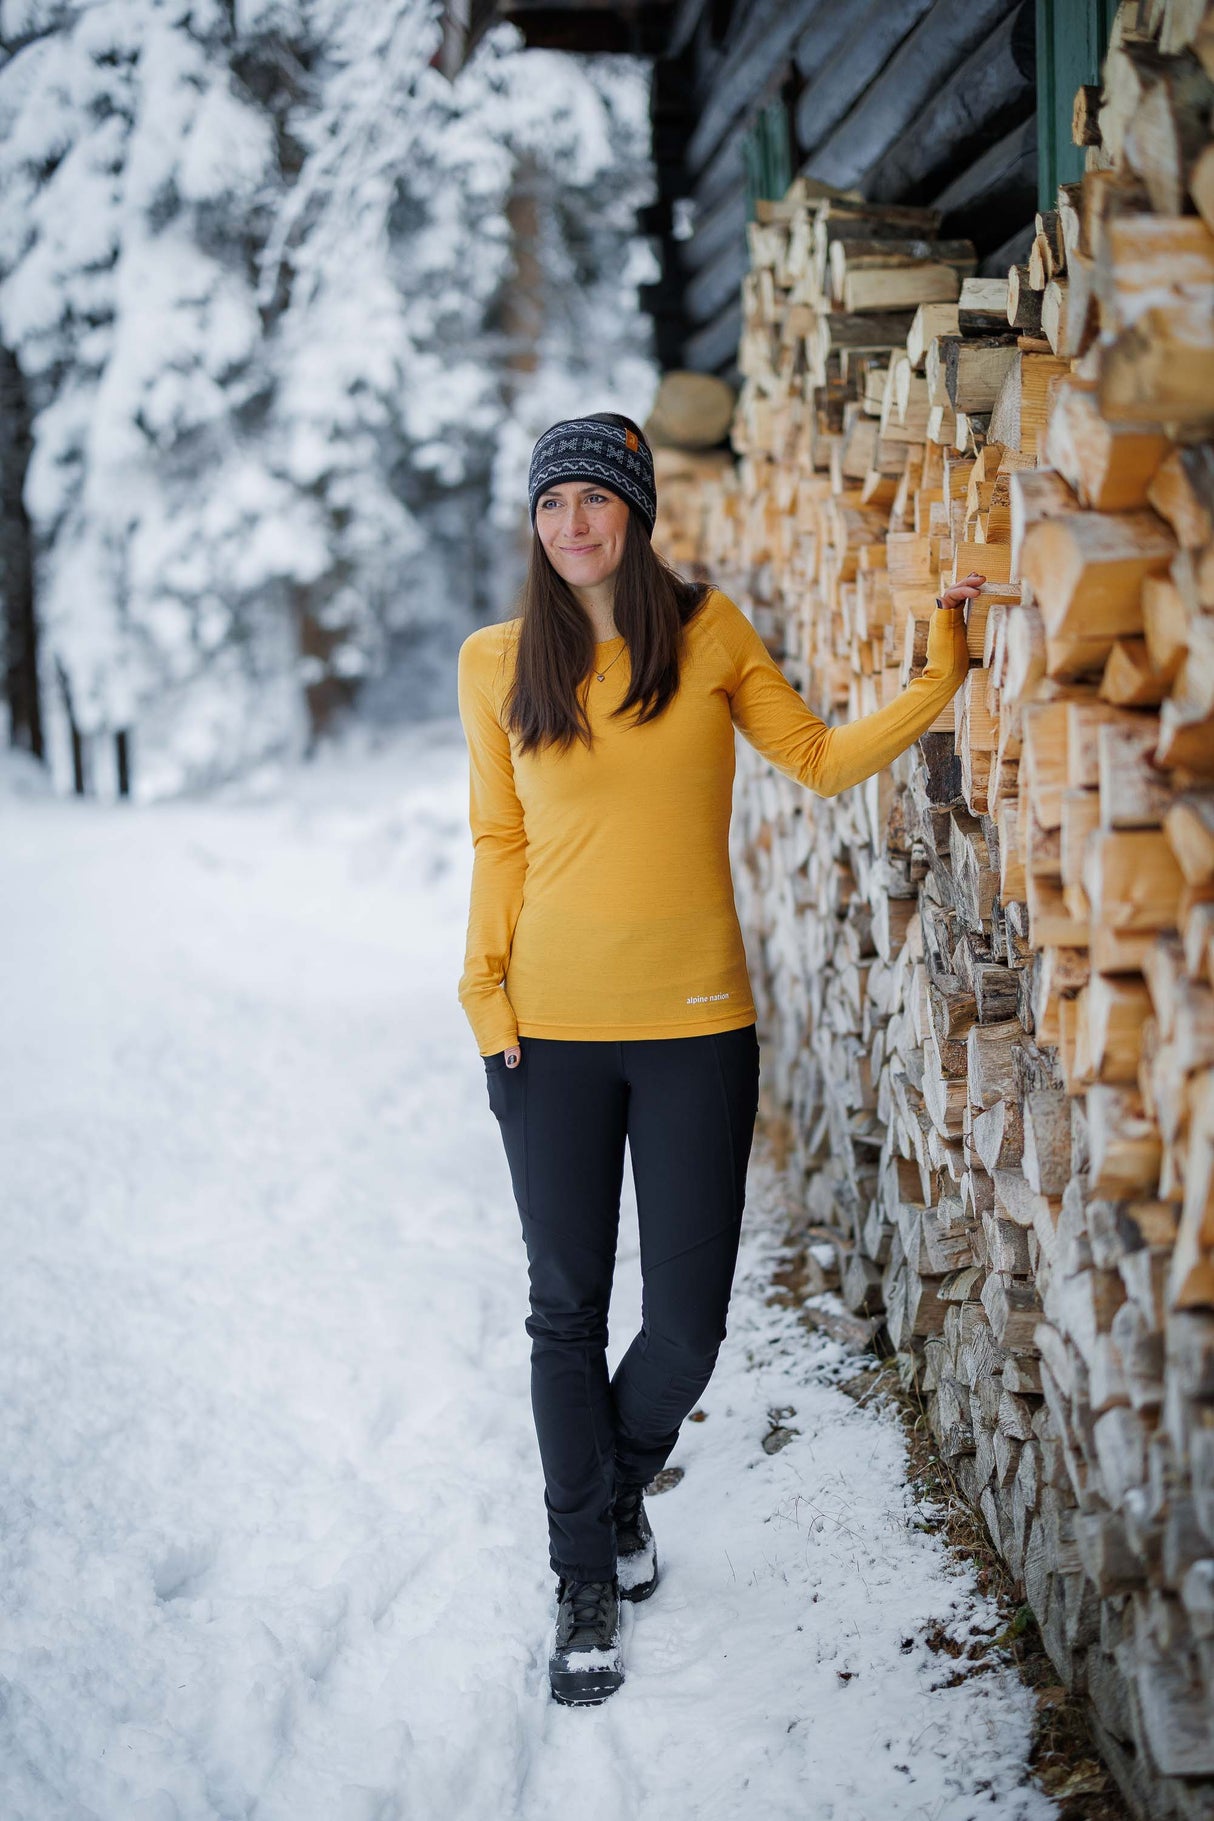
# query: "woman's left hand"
{"points": [[961, 592]]}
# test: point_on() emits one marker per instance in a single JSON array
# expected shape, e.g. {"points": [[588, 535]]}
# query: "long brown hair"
{"points": [[555, 650]]}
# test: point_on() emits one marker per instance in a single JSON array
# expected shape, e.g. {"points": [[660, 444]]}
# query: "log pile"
{"points": [[986, 977], [688, 422]]}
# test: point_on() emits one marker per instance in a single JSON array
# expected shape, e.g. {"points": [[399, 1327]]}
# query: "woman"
{"points": [[605, 978]]}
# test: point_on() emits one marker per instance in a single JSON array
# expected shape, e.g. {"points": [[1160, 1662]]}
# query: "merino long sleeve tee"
{"points": [[602, 901]]}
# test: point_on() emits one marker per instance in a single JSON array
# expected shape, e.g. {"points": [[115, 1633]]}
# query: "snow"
{"points": [[638, 1567], [589, 1660], [271, 1523]]}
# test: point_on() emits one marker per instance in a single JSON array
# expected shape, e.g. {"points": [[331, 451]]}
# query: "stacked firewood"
{"points": [[986, 977], [681, 476]]}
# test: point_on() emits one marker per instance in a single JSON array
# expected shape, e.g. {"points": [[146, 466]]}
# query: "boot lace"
{"points": [[627, 1505], [588, 1603]]}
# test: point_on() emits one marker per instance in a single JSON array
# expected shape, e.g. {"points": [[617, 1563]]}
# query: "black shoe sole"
{"points": [[583, 1688]]}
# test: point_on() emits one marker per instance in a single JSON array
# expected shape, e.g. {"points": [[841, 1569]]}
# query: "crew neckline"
{"points": [[618, 639]]}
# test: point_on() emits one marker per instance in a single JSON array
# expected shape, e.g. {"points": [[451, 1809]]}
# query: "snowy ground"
{"points": [[271, 1528]]}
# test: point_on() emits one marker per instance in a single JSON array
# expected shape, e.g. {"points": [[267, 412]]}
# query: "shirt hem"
{"points": [[606, 1033]]}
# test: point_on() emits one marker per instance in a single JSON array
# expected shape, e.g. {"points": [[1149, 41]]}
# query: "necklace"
{"points": [[600, 674]]}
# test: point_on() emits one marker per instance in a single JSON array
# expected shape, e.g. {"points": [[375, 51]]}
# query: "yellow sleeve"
{"points": [[499, 864], [779, 723]]}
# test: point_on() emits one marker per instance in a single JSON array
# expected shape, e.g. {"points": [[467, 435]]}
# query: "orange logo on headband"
{"points": [[630, 439]]}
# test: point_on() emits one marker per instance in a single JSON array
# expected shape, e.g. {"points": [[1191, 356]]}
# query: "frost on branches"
{"points": [[286, 310]]}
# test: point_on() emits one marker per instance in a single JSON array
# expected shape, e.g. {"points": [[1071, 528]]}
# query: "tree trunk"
{"points": [[18, 625], [79, 768]]}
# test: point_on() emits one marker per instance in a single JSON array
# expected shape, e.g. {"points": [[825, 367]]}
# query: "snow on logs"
{"points": [[986, 977]]}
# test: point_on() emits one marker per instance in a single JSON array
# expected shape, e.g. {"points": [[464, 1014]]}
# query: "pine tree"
{"points": [[134, 171]]}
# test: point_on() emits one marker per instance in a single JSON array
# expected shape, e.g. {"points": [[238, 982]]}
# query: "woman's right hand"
{"points": [[513, 1056], [961, 592]]}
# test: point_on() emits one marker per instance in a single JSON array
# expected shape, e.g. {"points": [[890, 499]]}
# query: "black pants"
{"points": [[687, 1107]]}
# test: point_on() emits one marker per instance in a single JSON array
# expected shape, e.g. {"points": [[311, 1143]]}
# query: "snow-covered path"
{"points": [[271, 1525]]}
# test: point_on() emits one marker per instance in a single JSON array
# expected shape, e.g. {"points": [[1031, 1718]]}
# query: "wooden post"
{"points": [[1072, 38]]}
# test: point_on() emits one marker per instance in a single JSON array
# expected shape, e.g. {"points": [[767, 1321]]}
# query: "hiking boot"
{"points": [[586, 1664], [637, 1555]]}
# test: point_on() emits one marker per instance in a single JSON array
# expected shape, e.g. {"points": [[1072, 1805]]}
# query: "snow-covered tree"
{"points": [[134, 172], [258, 266], [405, 281]]}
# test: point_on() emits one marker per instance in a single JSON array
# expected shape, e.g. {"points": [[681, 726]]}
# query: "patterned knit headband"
{"points": [[586, 449]]}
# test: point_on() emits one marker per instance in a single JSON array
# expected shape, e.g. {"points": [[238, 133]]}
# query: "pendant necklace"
{"points": [[600, 674]]}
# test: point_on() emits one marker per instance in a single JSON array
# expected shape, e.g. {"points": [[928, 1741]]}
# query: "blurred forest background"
{"points": [[282, 311]]}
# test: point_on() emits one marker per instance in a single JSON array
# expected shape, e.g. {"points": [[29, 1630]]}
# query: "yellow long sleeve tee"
{"points": [[602, 900]]}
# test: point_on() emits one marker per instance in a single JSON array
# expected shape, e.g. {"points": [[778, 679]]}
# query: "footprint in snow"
{"points": [[182, 1568]]}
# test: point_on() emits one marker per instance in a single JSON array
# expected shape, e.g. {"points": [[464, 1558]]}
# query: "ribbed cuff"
{"points": [[581, 1571], [493, 1022]]}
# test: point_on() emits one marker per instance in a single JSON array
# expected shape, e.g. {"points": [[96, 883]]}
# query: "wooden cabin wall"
{"points": [[920, 101]]}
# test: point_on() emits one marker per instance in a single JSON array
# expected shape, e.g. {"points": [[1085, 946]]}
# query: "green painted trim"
{"points": [[767, 155], [1072, 38]]}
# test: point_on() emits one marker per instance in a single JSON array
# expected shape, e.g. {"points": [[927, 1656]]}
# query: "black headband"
{"points": [[587, 449]]}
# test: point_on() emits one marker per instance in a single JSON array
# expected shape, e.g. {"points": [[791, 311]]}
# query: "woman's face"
{"points": [[582, 527]]}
